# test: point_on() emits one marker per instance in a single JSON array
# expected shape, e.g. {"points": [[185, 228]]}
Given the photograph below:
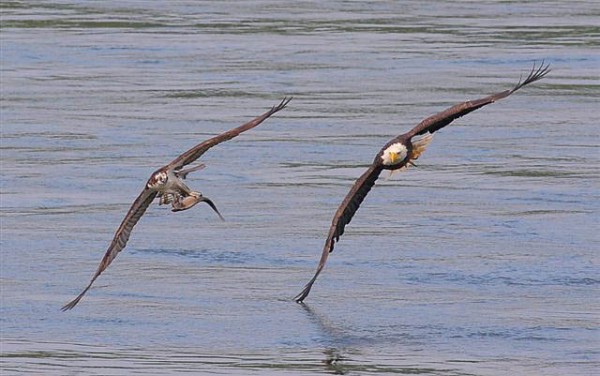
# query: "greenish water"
{"points": [[482, 261]]}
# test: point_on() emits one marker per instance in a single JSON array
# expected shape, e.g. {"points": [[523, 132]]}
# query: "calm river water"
{"points": [[482, 261]]}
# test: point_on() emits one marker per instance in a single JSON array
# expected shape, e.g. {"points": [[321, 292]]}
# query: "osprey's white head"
{"points": [[157, 180], [394, 154]]}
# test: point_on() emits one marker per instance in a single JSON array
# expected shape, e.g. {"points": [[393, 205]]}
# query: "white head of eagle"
{"points": [[394, 154]]}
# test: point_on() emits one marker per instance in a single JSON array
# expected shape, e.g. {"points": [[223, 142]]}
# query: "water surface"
{"points": [[482, 261]]}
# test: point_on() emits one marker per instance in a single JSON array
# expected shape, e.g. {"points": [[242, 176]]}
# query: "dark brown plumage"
{"points": [[167, 183], [398, 154]]}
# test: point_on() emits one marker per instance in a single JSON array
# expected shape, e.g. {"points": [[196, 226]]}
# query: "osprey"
{"points": [[398, 154], [167, 184]]}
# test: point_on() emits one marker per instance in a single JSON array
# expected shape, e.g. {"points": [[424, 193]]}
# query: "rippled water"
{"points": [[481, 261]]}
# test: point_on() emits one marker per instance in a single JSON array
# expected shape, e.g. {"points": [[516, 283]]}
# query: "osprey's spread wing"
{"points": [[138, 208], [197, 151]]}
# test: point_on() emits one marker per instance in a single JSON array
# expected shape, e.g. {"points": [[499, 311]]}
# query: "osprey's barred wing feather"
{"points": [[137, 209], [197, 151]]}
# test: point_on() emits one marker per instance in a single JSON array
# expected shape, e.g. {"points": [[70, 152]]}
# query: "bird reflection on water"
{"points": [[335, 339]]}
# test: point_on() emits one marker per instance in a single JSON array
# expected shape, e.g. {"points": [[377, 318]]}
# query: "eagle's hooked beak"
{"points": [[393, 157]]}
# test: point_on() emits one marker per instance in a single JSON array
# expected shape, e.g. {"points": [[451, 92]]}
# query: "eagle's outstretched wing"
{"points": [[342, 217], [441, 119]]}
